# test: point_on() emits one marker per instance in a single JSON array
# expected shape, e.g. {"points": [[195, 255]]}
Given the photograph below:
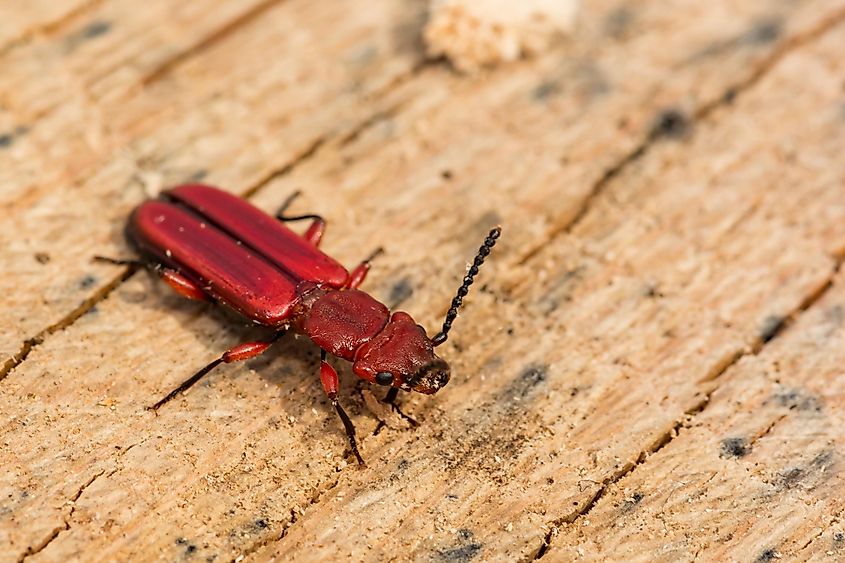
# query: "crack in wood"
{"points": [[41, 546], [703, 112], [31, 343], [216, 36], [315, 498], [688, 416]]}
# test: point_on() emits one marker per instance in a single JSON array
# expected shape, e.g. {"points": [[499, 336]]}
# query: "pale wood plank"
{"points": [[756, 476], [524, 407]]}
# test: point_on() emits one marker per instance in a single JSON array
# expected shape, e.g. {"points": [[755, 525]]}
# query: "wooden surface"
{"points": [[652, 368]]}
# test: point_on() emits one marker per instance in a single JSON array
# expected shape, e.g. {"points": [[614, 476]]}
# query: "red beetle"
{"points": [[213, 246]]}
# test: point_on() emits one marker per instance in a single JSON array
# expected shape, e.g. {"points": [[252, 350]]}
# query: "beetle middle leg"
{"points": [[314, 233], [329, 379], [359, 274], [182, 285], [239, 353]]}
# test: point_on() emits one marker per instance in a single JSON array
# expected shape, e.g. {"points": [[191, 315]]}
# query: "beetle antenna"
{"points": [[485, 249]]}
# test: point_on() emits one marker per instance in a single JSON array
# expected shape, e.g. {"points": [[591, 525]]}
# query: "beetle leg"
{"points": [[314, 233], [390, 399], [359, 274], [238, 353], [183, 286], [328, 377], [120, 261]]}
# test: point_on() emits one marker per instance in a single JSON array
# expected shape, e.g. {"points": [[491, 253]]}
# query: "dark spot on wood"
{"points": [[261, 523], [631, 502], [618, 23], [463, 553], [509, 331], [652, 291], [771, 326], [87, 282], [464, 534], [42, 257], [760, 33], [527, 380], [546, 89], [189, 547], [403, 464], [791, 477], [767, 555], [198, 175], [91, 31], [96, 29], [735, 447], [763, 32], [823, 460], [795, 399], [839, 537], [400, 292], [8, 139], [729, 96], [670, 124], [446, 174]]}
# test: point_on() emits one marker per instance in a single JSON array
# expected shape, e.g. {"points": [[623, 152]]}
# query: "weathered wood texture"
{"points": [[652, 367]]}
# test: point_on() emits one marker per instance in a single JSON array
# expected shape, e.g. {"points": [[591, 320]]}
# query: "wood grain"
{"points": [[649, 367]]}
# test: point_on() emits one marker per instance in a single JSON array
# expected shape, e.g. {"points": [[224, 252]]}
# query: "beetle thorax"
{"points": [[341, 321]]}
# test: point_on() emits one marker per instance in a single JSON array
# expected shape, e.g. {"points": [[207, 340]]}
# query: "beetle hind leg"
{"points": [[182, 285], [120, 261], [314, 233], [239, 353]]}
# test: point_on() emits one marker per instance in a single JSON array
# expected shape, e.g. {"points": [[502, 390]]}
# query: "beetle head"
{"points": [[401, 355]]}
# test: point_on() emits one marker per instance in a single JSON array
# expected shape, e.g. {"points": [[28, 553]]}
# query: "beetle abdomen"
{"points": [[227, 271], [340, 322]]}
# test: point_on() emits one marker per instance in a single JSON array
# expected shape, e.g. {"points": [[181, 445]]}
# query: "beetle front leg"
{"points": [[329, 379], [390, 399], [239, 353], [314, 233]]}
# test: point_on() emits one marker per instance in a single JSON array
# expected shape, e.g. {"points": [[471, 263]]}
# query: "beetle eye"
{"points": [[384, 378]]}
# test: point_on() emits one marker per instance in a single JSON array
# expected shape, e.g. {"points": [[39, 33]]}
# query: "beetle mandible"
{"points": [[210, 245]]}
